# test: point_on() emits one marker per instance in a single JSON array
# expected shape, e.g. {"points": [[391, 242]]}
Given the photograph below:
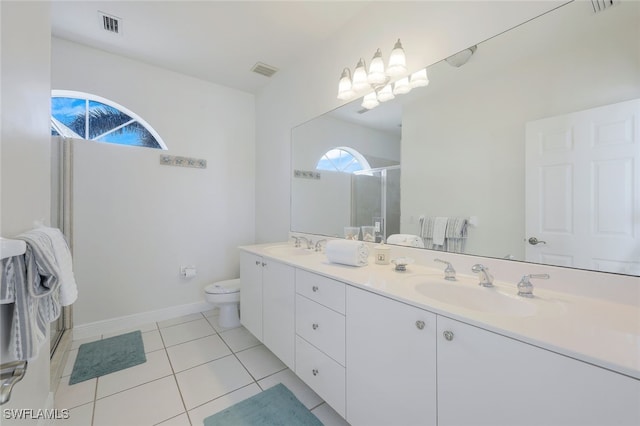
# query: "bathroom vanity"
{"points": [[388, 348]]}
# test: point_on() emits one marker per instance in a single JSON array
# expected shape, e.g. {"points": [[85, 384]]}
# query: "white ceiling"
{"points": [[218, 41]]}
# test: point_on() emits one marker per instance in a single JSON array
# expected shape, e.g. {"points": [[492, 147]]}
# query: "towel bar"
{"points": [[10, 374]]}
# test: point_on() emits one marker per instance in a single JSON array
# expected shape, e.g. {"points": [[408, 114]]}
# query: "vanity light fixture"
{"points": [[379, 79]]}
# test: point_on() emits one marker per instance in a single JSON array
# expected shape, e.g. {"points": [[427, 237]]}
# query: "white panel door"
{"points": [[278, 310], [583, 189], [488, 379], [391, 362], [251, 293]]}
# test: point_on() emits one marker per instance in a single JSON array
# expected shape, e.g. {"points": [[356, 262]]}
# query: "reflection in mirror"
{"points": [[536, 136]]}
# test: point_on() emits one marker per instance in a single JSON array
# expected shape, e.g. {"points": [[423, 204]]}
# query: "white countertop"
{"points": [[596, 331]]}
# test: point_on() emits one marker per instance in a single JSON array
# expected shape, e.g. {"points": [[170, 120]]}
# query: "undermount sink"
{"points": [[285, 250], [473, 297]]}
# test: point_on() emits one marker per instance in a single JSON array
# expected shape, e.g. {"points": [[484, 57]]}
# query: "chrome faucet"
{"points": [[486, 279], [525, 288], [297, 241], [306, 240], [319, 244], [449, 272]]}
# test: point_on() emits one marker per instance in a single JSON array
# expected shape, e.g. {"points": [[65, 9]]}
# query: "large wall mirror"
{"points": [[537, 136]]}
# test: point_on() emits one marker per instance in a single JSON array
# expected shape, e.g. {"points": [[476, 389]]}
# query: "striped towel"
{"points": [[455, 234], [36, 293]]}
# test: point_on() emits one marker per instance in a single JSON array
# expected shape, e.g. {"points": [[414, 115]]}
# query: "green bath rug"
{"points": [[276, 406], [108, 355]]}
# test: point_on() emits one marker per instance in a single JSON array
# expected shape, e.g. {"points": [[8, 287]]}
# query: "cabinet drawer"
{"points": [[325, 376], [322, 327], [321, 289]]}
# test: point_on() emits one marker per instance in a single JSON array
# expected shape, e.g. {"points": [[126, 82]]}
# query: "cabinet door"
{"points": [[391, 362], [488, 379], [278, 304], [251, 293]]}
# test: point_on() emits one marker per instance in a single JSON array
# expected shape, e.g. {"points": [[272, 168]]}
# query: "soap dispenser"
{"points": [[382, 253]]}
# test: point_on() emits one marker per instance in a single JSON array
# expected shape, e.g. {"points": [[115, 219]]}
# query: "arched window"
{"points": [[85, 116], [343, 159]]}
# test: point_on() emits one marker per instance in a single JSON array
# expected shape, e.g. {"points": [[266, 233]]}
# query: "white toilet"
{"points": [[226, 296]]}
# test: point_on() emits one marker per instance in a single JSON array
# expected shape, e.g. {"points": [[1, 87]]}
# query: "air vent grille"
{"points": [[110, 23], [264, 69], [600, 5]]}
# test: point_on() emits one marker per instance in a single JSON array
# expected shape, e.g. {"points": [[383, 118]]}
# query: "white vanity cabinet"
{"points": [[267, 304], [391, 362], [320, 336], [488, 379]]}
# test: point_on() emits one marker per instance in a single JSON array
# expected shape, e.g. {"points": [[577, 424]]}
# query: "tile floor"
{"points": [[193, 370]]}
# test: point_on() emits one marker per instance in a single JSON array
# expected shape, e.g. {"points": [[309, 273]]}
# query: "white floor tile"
{"points": [[212, 380], [197, 415], [79, 416], [147, 404], [176, 334], [181, 420], [214, 321], [239, 339], [180, 320], [211, 312], [152, 341], [71, 396], [71, 360], [196, 352], [260, 361], [143, 329], [304, 393], [157, 366], [328, 416], [75, 344]]}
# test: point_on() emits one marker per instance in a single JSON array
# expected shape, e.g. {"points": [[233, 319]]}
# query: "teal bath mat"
{"points": [[276, 406], [107, 356]]}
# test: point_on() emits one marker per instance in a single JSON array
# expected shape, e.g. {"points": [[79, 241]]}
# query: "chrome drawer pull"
{"points": [[420, 325], [314, 326], [315, 372], [448, 335], [314, 288]]}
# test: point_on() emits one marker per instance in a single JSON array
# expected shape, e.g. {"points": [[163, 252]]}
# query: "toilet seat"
{"points": [[224, 287]]}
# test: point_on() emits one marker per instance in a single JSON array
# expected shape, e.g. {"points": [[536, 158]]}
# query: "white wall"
{"points": [[430, 31], [136, 221], [25, 158], [485, 147]]}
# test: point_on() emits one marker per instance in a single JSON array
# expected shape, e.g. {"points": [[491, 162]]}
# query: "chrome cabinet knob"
{"points": [[314, 326], [257, 263], [420, 324], [448, 335], [314, 371], [314, 288], [264, 264]]}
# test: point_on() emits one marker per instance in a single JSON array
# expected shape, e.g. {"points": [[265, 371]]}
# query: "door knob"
{"points": [[534, 241]]}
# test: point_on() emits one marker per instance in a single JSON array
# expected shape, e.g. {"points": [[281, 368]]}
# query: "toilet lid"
{"points": [[224, 287]]}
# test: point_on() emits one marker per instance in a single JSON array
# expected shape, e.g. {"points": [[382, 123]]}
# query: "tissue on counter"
{"points": [[347, 252]]}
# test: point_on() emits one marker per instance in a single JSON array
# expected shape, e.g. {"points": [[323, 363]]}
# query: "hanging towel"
{"points": [[36, 286], [68, 286], [456, 234], [426, 231], [347, 252], [8, 284], [408, 240], [439, 230]]}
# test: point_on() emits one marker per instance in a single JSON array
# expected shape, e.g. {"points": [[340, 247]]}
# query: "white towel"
{"points": [[68, 286], [408, 240], [347, 252], [439, 230]]}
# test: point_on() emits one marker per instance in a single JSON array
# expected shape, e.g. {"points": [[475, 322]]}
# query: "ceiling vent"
{"points": [[264, 69], [110, 23], [600, 5]]}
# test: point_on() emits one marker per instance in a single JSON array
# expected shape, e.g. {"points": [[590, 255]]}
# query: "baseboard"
{"points": [[92, 329]]}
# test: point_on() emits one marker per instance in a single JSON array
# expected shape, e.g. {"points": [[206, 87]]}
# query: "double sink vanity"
{"points": [[383, 347]]}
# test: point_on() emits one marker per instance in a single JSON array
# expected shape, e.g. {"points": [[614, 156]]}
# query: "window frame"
{"points": [[64, 131]]}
